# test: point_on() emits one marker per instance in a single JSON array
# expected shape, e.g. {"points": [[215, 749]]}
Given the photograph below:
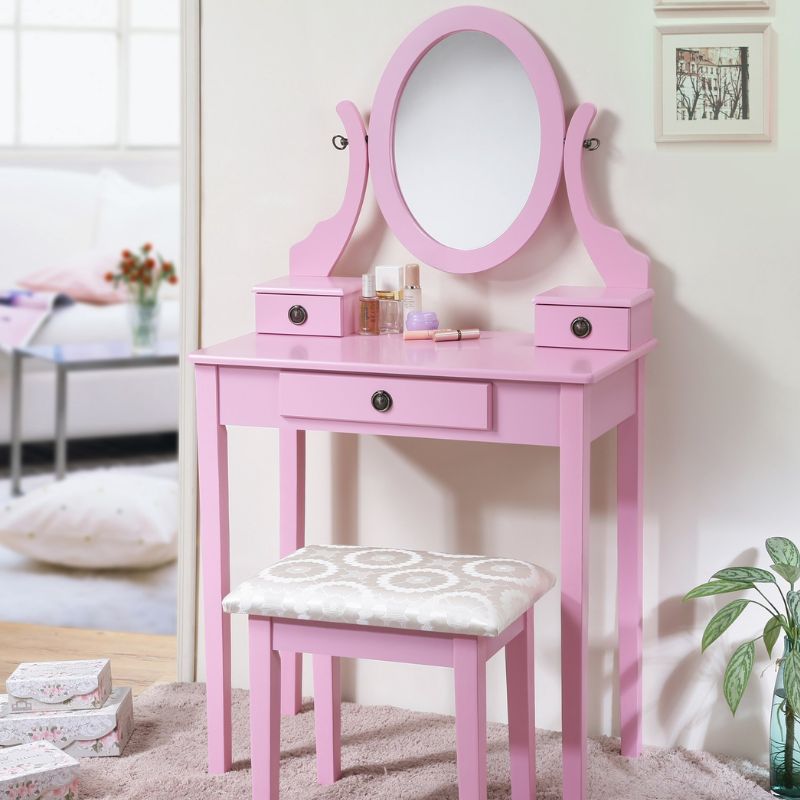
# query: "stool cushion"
{"points": [[390, 588]]}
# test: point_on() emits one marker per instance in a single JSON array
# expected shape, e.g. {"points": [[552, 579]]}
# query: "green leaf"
{"points": [[750, 574], [772, 630], [721, 621], [788, 572], [783, 551], [737, 674], [791, 679], [717, 587], [793, 604]]}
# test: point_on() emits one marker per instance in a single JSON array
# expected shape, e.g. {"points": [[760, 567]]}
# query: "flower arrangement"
{"points": [[784, 616], [142, 273]]}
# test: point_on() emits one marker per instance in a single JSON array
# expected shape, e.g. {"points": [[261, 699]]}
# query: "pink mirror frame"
{"points": [[521, 42]]}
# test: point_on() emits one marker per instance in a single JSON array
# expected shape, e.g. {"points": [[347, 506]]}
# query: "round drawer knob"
{"points": [[381, 401], [297, 315], [581, 327]]}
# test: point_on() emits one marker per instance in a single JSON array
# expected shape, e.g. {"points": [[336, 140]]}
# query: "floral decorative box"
{"points": [[59, 685], [38, 770], [92, 732]]}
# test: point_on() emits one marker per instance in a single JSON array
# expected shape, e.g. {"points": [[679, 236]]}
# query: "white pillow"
{"points": [[130, 215], [96, 520]]}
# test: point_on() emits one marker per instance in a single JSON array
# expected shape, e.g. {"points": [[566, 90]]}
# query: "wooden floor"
{"points": [[138, 660]]}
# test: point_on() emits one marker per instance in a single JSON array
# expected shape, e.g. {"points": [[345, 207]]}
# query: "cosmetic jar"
{"points": [[422, 321]]}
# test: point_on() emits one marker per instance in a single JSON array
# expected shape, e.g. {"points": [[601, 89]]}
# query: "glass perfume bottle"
{"points": [[388, 282], [412, 293], [368, 307]]}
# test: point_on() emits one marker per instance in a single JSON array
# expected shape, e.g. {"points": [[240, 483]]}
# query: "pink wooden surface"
{"points": [[328, 718], [469, 664], [212, 466], [318, 253], [605, 296], [265, 715], [521, 712], [495, 356], [610, 327], [326, 315], [630, 511], [574, 475], [415, 401], [359, 641], [330, 286], [524, 46], [292, 474], [618, 262]]}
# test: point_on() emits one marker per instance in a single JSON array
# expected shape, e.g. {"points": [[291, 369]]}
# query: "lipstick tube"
{"points": [[456, 335]]}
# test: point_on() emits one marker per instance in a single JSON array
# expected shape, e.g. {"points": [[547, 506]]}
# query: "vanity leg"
{"points": [[630, 523], [212, 464], [575, 447], [293, 535]]}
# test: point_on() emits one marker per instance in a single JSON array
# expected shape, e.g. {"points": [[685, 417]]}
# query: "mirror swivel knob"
{"points": [[381, 401], [297, 315], [581, 327]]}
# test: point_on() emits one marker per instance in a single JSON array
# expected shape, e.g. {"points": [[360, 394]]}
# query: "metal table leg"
{"points": [[16, 423], [61, 421]]}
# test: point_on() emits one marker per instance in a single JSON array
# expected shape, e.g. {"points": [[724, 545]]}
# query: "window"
{"points": [[89, 73]]}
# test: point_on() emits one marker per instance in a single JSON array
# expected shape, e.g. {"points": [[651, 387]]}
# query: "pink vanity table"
{"points": [[563, 389]]}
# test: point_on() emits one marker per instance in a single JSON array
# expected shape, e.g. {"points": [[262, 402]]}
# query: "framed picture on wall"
{"points": [[712, 83], [710, 5]]}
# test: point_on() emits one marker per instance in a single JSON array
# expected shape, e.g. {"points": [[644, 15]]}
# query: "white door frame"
{"points": [[190, 337]]}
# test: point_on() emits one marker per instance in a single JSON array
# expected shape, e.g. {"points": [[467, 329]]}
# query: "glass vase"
{"points": [[784, 733], [144, 318]]}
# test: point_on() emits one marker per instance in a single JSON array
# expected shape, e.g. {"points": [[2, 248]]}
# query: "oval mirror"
{"points": [[466, 139]]}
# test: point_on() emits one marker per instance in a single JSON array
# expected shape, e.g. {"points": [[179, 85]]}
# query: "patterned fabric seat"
{"points": [[391, 588]]}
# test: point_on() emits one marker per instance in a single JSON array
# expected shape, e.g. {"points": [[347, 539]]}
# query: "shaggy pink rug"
{"points": [[387, 754]]}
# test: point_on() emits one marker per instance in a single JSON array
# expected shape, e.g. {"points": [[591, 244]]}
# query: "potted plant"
{"points": [[142, 273], [783, 610]]}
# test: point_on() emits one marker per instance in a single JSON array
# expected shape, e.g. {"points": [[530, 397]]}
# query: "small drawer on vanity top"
{"points": [[305, 314], [387, 400], [587, 327]]}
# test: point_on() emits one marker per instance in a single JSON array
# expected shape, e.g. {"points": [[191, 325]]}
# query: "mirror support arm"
{"points": [[619, 263], [317, 254]]}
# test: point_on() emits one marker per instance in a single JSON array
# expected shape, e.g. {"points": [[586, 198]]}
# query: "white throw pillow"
{"points": [[97, 520]]}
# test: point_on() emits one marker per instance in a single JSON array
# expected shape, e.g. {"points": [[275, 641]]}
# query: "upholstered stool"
{"points": [[393, 605]]}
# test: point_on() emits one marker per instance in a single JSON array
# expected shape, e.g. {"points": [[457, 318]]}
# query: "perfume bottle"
{"points": [[388, 283], [368, 307], [412, 293]]}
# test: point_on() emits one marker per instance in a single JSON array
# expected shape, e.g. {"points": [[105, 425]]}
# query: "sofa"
{"points": [[52, 216]]}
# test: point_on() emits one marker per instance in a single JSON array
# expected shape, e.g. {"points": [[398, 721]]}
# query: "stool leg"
{"points": [[265, 710], [521, 717], [469, 664], [328, 718]]}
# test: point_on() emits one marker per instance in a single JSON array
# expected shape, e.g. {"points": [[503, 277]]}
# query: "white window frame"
{"points": [[122, 148]]}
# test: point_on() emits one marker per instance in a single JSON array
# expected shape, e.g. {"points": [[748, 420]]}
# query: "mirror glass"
{"points": [[467, 140]]}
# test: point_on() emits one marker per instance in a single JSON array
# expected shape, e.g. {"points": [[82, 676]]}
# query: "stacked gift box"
{"points": [[68, 705]]}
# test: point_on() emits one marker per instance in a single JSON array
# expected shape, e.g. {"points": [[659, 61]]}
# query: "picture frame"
{"points": [[712, 5], [713, 82]]}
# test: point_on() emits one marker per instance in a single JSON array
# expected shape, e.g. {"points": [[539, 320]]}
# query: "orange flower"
{"points": [[168, 266], [150, 263], [173, 279], [126, 254], [109, 276], [147, 247], [147, 280]]}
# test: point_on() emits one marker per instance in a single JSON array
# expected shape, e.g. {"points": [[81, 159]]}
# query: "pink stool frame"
{"points": [[467, 655]]}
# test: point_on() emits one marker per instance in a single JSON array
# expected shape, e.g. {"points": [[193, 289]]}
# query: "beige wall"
{"points": [[721, 223]]}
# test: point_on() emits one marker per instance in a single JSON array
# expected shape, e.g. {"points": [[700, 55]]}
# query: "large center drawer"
{"points": [[387, 400]]}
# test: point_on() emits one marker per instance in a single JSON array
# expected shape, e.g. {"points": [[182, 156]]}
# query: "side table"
{"points": [[66, 359]]}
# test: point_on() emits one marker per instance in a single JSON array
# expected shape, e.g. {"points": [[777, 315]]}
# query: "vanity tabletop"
{"points": [[496, 355]]}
